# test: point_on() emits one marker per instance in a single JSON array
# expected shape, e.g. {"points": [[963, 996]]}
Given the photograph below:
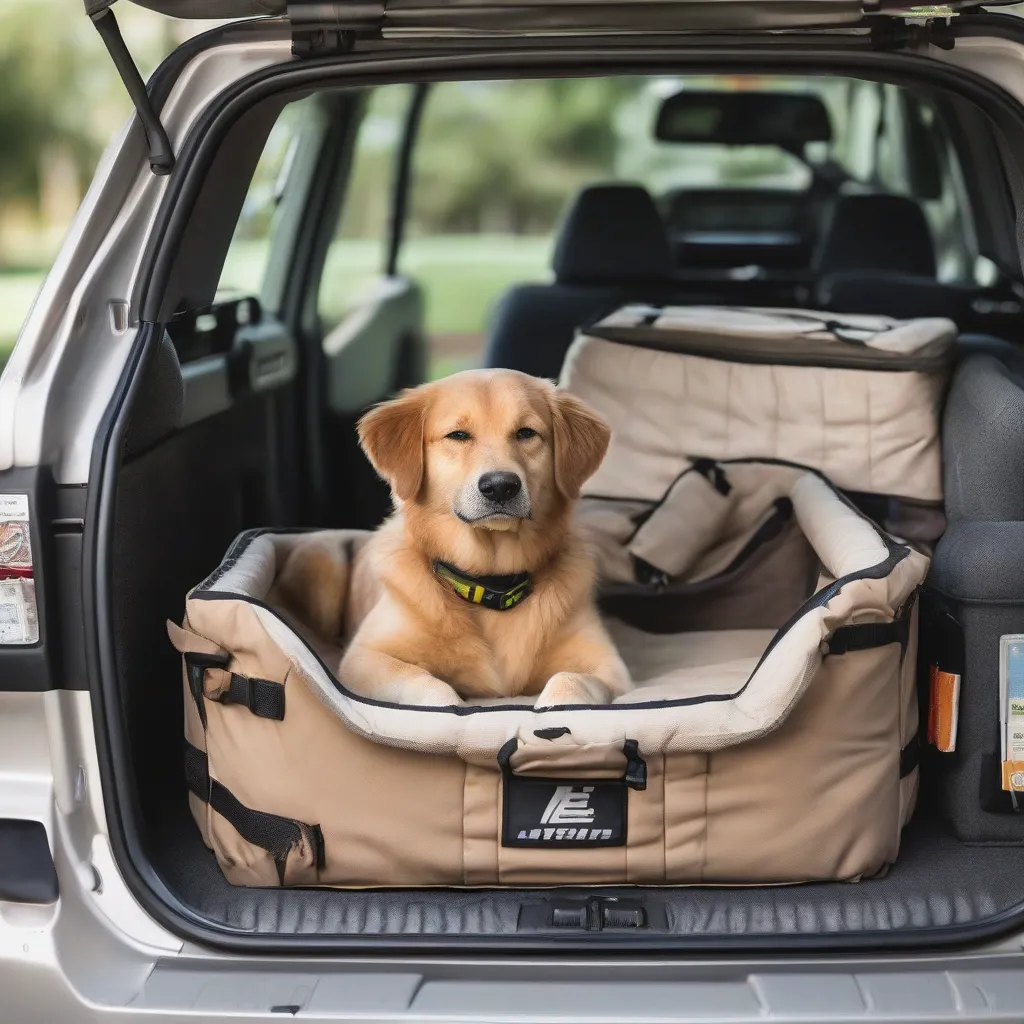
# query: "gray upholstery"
{"points": [[983, 442], [977, 581]]}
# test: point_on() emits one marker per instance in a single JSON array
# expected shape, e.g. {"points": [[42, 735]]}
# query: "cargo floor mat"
{"points": [[937, 882]]}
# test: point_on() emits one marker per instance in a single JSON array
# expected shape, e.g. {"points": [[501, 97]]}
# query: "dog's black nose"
{"points": [[499, 486]]}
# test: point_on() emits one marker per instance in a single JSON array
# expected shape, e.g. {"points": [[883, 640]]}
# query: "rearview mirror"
{"points": [[786, 120]]}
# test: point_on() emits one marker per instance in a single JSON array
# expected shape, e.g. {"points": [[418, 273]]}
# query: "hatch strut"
{"points": [[161, 157]]}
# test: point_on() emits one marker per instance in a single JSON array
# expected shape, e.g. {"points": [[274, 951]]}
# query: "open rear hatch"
{"points": [[940, 890]]}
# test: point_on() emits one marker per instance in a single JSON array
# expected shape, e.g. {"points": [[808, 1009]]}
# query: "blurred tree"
{"points": [[60, 102], [504, 156], [43, 104]]}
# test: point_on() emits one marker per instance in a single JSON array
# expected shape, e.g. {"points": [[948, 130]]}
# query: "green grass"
{"points": [[461, 276], [17, 291]]}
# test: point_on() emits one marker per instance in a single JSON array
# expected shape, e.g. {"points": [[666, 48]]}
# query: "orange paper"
{"points": [[1013, 775], [943, 709]]}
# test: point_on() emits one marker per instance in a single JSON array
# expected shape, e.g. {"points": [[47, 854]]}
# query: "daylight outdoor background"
{"points": [[494, 167]]}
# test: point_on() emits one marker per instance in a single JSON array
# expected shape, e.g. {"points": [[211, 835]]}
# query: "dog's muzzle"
{"points": [[495, 495]]}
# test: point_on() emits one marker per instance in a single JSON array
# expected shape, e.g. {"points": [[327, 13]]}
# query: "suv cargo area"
{"points": [[298, 270]]}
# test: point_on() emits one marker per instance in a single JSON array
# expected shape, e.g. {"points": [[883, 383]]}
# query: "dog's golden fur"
{"points": [[414, 641]]}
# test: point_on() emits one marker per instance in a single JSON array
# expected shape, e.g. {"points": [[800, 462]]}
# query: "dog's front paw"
{"points": [[430, 692], [573, 688]]}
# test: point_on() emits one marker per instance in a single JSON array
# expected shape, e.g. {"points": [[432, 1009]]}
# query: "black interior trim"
{"points": [[27, 873], [403, 174]]}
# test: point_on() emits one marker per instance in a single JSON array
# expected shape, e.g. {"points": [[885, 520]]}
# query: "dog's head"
{"points": [[494, 448]]}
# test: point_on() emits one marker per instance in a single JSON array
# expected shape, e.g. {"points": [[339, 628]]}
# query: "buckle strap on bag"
{"points": [[263, 697], [196, 665], [863, 636], [271, 832]]}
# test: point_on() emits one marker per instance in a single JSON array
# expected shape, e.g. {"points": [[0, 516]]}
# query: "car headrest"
{"points": [[612, 234], [877, 232]]}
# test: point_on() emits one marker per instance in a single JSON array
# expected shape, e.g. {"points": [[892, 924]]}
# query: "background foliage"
{"points": [[494, 167]]}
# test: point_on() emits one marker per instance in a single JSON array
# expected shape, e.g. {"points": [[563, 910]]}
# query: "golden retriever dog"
{"points": [[479, 585]]}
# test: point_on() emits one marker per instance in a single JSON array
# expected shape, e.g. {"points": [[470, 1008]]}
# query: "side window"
{"points": [[357, 258], [249, 253], [492, 168], [915, 159]]}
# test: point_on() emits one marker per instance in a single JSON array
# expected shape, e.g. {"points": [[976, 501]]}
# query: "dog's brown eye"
{"points": [[459, 435], [525, 433]]}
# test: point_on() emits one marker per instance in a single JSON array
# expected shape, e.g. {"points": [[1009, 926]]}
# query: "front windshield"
{"points": [[667, 166]]}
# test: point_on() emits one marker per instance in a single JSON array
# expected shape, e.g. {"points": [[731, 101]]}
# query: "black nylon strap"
{"points": [[635, 775], [713, 472], [197, 772], [910, 757], [272, 832], [263, 697], [863, 636]]}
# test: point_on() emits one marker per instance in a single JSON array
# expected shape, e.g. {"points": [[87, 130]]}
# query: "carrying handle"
{"points": [[566, 760]]}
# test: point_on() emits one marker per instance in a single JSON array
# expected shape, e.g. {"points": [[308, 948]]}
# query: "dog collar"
{"points": [[499, 593]]}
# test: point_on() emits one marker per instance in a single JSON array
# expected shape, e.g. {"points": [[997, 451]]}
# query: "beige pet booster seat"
{"points": [[769, 623]]}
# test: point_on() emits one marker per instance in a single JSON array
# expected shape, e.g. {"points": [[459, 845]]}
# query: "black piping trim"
{"points": [[654, 339], [895, 554]]}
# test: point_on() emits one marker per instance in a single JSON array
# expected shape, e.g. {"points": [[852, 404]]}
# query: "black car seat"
{"points": [[877, 233], [877, 256], [612, 248]]}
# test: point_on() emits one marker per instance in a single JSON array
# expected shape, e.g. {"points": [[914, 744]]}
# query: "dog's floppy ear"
{"points": [[391, 434], [581, 440]]}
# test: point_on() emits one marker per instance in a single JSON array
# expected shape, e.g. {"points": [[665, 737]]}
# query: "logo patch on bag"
{"points": [[559, 813]]}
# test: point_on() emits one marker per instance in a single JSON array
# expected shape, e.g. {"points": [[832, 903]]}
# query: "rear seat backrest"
{"points": [[877, 233], [612, 247]]}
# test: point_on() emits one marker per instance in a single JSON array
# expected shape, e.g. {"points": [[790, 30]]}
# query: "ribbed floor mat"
{"points": [[937, 882]]}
